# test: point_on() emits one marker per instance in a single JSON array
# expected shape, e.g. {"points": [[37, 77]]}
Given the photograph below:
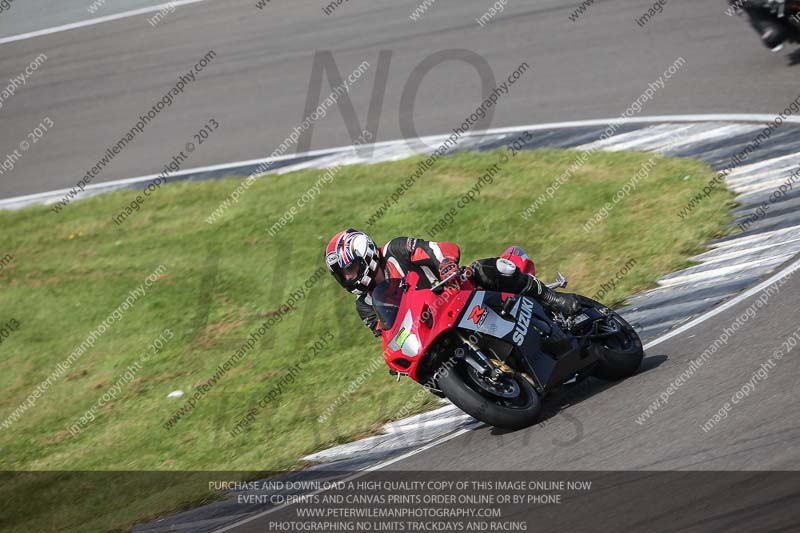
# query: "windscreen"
{"points": [[386, 297]]}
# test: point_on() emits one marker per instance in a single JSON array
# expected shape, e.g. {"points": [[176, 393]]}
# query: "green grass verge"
{"points": [[71, 270]]}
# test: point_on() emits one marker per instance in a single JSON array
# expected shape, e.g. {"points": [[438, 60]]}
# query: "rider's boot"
{"points": [[563, 302]]}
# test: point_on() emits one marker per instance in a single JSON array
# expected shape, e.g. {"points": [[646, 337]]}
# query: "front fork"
{"points": [[482, 364], [490, 369]]}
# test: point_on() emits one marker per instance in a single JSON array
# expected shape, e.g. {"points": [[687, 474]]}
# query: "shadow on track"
{"points": [[557, 402]]}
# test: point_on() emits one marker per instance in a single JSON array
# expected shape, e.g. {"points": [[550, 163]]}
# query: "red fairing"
{"points": [[412, 333], [517, 255], [444, 309]]}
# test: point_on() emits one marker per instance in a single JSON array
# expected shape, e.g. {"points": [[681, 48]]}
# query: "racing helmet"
{"points": [[353, 259]]}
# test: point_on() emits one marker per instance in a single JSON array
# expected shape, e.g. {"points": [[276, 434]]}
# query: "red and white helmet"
{"points": [[353, 259]]}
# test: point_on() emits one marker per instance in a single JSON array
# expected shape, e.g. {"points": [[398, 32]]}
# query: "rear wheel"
{"points": [[620, 351], [510, 402]]}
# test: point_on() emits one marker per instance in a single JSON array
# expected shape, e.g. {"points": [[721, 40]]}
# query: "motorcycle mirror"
{"points": [[559, 283], [438, 287]]}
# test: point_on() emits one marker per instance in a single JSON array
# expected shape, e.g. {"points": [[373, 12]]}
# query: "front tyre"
{"points": [[509, 403]]}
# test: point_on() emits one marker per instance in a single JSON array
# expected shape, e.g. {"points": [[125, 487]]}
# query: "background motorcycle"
{"points": [[496, 355], [775, 21]]}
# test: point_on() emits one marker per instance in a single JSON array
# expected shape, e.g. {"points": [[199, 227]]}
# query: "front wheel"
{"points": [[510, 402]]}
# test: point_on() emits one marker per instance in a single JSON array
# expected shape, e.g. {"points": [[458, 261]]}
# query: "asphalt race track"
{"points": [[760, 433], [99, 79]]}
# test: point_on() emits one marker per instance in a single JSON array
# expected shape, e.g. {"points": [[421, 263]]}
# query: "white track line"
{"points": [[98, 20], [357, 475], [727, 305], [699, 320], [422, 141]]}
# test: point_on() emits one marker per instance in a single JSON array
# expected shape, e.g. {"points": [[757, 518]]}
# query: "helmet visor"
{"points": [[349, 276], [352, 272]]}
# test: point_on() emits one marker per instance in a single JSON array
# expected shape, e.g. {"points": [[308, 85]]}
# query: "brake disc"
{"points": [[505, 387]]}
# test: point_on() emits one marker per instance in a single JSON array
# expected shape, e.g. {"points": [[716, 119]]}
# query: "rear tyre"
{"points": [[619, 355], [514, 405]]}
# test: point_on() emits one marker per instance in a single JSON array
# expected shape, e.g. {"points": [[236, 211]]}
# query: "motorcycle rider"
{"points": [[358, 265]]}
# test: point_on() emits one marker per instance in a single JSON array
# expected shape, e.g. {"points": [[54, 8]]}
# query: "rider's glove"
{"points": [[446, 267], [372, 323]]}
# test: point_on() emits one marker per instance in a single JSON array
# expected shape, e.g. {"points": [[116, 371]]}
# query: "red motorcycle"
{"points": [[497, 355]]}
